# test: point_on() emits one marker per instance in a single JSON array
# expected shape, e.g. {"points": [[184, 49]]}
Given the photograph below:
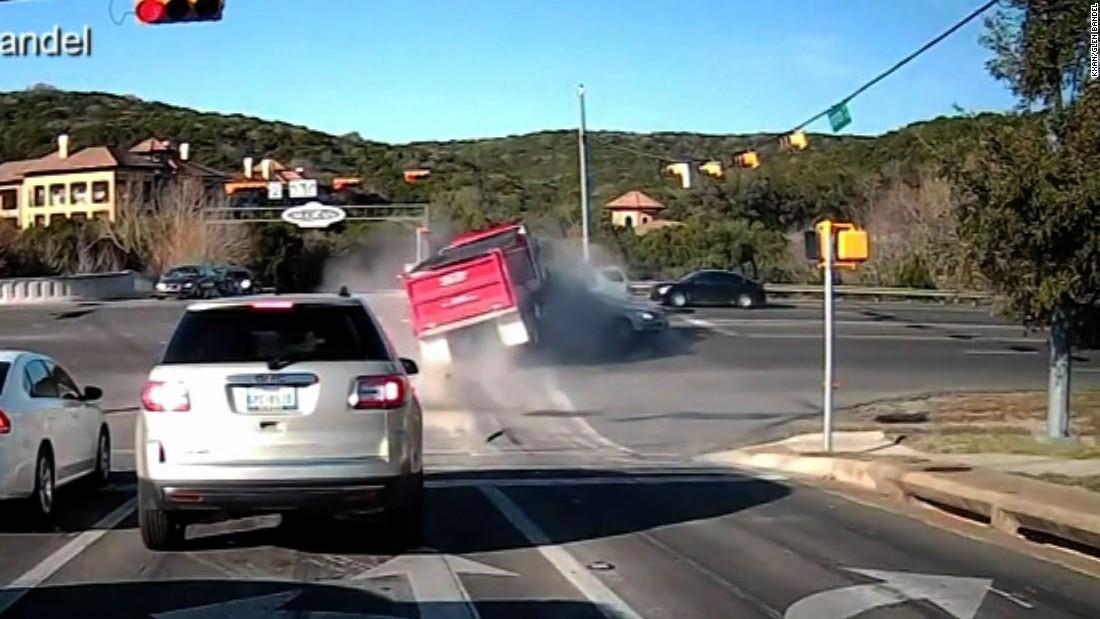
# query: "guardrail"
{"points": [[83, 287], [789, 290]]}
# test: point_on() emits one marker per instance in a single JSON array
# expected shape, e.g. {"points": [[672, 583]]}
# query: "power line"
{"points": [[855, 93]]}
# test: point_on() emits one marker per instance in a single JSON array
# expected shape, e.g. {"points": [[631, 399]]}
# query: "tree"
{"points": [[1029, 208]]}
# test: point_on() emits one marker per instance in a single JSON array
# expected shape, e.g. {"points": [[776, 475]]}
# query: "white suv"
{"points": [[279, 404]]}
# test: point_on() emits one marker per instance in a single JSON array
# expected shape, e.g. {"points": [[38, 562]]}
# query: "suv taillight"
{"points": [[5, 424], [378, 392], [165, 397]]}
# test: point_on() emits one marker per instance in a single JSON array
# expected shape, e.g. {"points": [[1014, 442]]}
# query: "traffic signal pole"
{"points": [[827, 395]]}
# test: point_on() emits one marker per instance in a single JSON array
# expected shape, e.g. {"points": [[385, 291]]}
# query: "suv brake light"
{"points": [[378, 392], [165, 397], [5, 424]]}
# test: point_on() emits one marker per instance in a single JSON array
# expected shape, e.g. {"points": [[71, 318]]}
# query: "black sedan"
{"points": [[188, 282], [710, 287]]}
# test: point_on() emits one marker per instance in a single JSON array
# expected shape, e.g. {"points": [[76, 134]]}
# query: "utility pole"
{"points": [[830, 333], [582, 146]]}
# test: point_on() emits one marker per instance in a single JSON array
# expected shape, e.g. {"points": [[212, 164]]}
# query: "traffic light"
{"points": [[795, 141], [683, 170], [414, 176], [159, 12], [851, 246], [712, 168], [342, 183], [748, 160]]}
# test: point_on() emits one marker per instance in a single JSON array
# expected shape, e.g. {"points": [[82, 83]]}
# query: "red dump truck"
{"points": [[485, 286]]}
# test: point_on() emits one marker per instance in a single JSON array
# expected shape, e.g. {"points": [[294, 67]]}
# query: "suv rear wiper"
{"points": [[281, 361]]}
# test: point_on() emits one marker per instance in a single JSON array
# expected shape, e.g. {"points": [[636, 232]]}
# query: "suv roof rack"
{"points": [[344, 291]]}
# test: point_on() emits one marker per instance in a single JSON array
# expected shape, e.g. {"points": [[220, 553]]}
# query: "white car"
{"points": [[610, 281], [52, 432]]}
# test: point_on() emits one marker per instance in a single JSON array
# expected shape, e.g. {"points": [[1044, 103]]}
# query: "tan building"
{"points": [[90, 183], [638, 212]]}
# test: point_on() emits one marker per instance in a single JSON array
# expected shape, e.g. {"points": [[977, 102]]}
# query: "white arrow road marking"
{"points": [[435, 583], [960, 597], [268, 606]]}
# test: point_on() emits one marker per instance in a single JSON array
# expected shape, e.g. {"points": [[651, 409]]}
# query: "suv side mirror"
{"points": [[92, 393], [411, 368]]}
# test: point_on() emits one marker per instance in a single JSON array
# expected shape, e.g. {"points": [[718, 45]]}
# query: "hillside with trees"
{"points": [[888, 182]]}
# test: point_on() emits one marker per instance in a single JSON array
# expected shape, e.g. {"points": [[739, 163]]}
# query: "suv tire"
{"points": [[160, 530]]}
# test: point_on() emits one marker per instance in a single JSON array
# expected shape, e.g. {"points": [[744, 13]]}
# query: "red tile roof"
{"points": [[635, 200]]}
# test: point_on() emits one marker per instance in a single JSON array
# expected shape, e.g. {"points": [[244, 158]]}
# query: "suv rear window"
{"points": [[5, 367], [306, 332]]}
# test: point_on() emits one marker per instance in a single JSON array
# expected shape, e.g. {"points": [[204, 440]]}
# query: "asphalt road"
{"points": [[564, 490]]}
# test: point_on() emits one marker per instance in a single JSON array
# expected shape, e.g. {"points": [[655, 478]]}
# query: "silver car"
{"points": [[279, 404]]}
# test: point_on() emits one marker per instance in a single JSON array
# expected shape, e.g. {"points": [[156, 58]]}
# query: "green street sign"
{"points": [[839, 117]]}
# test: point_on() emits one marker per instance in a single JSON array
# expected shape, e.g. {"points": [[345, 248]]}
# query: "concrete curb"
{"points": [[1016, 505]]}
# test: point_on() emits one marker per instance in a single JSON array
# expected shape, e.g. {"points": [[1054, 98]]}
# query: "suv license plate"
{"points": [[271, 399]]}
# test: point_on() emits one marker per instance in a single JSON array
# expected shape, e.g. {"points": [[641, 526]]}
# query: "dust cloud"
{"points": [[374, 263]]}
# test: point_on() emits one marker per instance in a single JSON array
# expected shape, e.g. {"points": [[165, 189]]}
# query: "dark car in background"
{"points": [[710, 287], [188, 281]]}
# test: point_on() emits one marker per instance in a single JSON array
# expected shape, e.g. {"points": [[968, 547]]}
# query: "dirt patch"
{"points": [[1009, 422]]}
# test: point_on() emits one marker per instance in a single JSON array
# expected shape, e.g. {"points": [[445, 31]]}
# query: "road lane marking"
{"points": [[706, 324], [436, 582], [16, 589], [588, 436], [599, 594], [979, 351]]}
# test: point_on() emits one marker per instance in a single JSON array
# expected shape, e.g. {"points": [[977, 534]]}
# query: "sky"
{"points": [[400, 71]]}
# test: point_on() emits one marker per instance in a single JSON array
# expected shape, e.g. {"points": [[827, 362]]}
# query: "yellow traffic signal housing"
{"points": [[851, 246], [159, 12], [413, 176], [712, 168], [795, 141], [748, 160], [683, 170]]}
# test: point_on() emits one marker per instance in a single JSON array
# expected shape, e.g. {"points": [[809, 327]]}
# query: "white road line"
{"points": [[610, 604], [1000, 352], [588, 435], [16, 589], [706, 324]]}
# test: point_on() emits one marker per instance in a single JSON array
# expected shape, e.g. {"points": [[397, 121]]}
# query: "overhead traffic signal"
{"points": [[683, 170], [795, 141], [748, 160], [712, 168], [413, 176], [159, 12]]}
